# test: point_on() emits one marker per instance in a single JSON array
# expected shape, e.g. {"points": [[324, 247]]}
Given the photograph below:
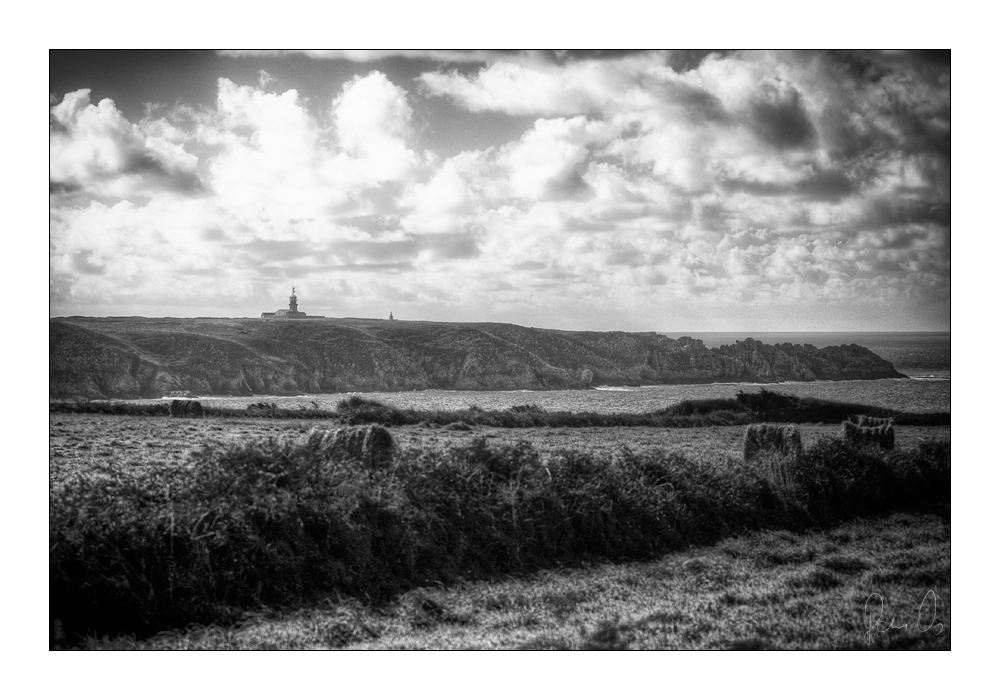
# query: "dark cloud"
{"points": [[887, 102], [779, 117], [698, 105], [826, 185], [559, 56], [147, 164], [711, 216], [569, 185], [63, 187], [372, 254], [883, 212], [82, 262], [814, 276], [57, 126], [631, 256], [879, 268], [683, 60], [864, 66], [82, 136], [901, 240]]}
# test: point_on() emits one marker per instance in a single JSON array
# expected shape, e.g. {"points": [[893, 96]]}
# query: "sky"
{"points": [[708, 190]]}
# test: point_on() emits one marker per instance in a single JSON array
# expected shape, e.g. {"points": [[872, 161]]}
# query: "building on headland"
{"points": [[291, 312]]}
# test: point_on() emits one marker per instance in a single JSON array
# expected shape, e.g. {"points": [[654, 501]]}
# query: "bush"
{"points": [[767, 438], [357, 410], [689, 407], [282, 522], [527, 408], [745, 408], [764, 401], [869, 432]]}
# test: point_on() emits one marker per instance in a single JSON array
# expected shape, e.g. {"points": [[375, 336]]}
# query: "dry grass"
{"points": [[136, 442], [770, 590]]}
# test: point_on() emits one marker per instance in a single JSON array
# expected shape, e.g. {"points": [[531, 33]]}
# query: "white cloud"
{"points": [[750, 178], [373, 122], [94, 148], [369, 55], [549, 160], [526, 86]]}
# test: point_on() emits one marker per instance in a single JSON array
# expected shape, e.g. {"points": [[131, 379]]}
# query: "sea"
{"points": [[924, 357]]}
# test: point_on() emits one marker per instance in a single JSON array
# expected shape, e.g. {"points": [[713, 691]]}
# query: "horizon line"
{"points": [[679, 333]]}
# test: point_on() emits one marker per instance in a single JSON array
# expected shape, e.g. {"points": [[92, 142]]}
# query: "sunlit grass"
{"points": [[768, 590], [245, 525]]}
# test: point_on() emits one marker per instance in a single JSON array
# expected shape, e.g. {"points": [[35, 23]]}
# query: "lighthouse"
{"points": [[291, 312]]}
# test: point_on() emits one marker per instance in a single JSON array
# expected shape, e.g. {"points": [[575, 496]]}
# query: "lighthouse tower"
{"points": [[291, 312]]}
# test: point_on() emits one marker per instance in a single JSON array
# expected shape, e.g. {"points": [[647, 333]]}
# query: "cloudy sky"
{"points": [[667, 190]]}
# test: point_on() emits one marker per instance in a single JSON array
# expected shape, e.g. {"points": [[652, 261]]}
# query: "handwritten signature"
{"points": [[925, 622]]}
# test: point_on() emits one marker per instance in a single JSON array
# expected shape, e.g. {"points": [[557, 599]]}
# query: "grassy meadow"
{"points": [[765, 590], [244, 529], [86, 441]]}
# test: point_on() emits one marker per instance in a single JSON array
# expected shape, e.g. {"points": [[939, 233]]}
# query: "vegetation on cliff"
{"points": [[136, 357]]}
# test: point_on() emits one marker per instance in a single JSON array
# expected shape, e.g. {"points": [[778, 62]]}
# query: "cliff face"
{"points": [[136, 357]]}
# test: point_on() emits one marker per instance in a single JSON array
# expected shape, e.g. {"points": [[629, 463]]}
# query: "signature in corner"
{"points": [[875, 609]]}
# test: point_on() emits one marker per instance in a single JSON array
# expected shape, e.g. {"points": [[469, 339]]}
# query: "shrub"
{"points": [[872, 421], [357, 410], [763, 437], [745, 408], [764, 401], [869, 434], [527, 408], [262, 409], [282, 522], [689, 407]]}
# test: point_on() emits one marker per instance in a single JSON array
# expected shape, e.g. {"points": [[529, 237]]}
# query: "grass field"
{"points": [[80, 441], [133, 499], [839, 588]]}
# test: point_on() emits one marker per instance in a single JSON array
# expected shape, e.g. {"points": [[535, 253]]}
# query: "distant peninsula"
{"points": [[133, 357]]}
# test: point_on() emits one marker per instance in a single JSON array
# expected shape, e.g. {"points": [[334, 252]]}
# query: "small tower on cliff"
{"points": [[293, 302], [390, 317]]}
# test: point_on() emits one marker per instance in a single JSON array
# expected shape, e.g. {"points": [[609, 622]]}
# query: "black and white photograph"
{"points": [[485, 349]]}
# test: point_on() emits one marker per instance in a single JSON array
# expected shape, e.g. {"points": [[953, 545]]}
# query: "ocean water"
{"points": [[924, 357]]}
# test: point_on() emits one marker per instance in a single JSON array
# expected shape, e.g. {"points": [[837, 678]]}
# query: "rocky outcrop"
{"points": [[136, 357]]}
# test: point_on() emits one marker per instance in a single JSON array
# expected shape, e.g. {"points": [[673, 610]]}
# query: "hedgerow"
{"points": [[745, 408], [282, 522]]}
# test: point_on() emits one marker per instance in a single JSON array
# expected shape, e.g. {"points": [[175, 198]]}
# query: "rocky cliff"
{"points": [[140, 357]]}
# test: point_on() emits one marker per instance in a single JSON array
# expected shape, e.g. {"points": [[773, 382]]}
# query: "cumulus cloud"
{"points": [[374, 122], [95, 148], [677, 186], [369, 55], [549, 161]]}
